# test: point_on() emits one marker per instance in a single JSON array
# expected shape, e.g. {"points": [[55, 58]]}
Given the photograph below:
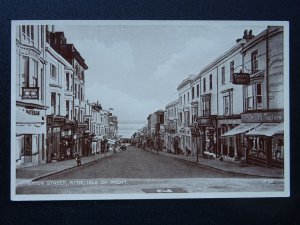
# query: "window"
{"points": [[223, 75], [193, 92], [198, 91], [32, 33], [81, 95], [227, 105], [25, 74], [35, 74], [210, 81], [59, 106], [253, 96], [180, 100], [75, 91], [231, 70], [254, 62], [184, 99], [71, 82], [258, 96], [53, 103], [42, 36], [204, 84], [53, 72], [206, 106], [187, 118], [67, 109], [188, 97], [67, 81]]}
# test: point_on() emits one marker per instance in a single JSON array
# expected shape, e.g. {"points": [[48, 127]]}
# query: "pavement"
{"points": [[228, 165], [33, 173]]}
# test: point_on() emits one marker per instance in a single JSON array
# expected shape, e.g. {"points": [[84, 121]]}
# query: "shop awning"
{"points": [[242, 128], [267, 129]]}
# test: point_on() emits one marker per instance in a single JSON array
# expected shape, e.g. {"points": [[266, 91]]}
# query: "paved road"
{"points": [[137, 163], [139, 171]]}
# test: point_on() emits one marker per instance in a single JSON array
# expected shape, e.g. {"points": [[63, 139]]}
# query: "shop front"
{"points": [[58, 138], [265, 143], [232, 139], [206, 139], [30, 136]]}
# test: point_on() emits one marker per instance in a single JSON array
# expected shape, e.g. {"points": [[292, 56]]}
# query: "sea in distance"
{"points": [[128, 129]]}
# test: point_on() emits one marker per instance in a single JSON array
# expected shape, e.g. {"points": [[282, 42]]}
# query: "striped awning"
{"points": [[267, 129], [242, 128]]}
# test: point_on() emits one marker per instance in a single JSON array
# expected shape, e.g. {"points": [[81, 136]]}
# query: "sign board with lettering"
{"points": [[241, 78], [262, 117], [204, 121], [30, 93]]}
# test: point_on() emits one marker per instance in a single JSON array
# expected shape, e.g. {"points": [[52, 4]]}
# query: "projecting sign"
{"points": [[30, 93], [241, 78]]}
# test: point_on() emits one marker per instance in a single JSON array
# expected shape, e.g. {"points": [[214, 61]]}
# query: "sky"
{"points": [[136, 68]]}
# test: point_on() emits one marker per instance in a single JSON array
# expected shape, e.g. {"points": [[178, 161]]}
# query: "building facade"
{"points": [[31, 104], [171, 132]]}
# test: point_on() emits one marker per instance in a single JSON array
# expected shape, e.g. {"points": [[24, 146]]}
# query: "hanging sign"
{"points": [[30, 93], [241, 78]]}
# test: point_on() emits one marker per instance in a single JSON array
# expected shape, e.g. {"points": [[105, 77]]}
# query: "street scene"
{"points": [[140, 108], [137, 170]]}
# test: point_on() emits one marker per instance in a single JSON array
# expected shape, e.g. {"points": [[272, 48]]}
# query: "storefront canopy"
{"points": [[242, 128], [267, 129]]}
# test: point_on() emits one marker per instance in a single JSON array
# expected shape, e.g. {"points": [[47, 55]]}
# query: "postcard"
{"points": [[106, 110]]}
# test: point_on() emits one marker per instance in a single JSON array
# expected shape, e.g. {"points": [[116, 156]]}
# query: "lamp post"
{"points": [[214, 122]]}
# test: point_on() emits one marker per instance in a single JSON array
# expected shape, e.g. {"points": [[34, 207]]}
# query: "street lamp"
{"points": [[214, 122]]}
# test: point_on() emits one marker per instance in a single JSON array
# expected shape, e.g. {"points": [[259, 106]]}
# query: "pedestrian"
{"points": [[186, 151], [78, 160]]}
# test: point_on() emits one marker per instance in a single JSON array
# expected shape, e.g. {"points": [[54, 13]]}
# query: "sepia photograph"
{"points": [[140, 109]]}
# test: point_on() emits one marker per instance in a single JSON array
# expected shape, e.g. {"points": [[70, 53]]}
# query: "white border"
{"points": [[285, 193]]}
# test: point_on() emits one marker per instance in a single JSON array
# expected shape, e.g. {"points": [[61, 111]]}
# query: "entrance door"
{"points": [[27, 148]]}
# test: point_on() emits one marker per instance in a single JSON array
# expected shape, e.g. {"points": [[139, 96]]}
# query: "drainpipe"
{"points": [[217, 130], [267, 66]]}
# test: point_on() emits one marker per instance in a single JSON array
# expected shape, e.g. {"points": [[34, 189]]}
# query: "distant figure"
{"points": [[78, 160], [186, 151]]}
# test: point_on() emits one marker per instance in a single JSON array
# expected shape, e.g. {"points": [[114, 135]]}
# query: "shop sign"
{"points": [[33, 112], [204, 121], [265, 117], [30, 93], [241, 78]]}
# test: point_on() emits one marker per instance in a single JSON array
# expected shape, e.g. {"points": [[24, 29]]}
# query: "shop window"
{"points": [[259, 147], [278, 151]]}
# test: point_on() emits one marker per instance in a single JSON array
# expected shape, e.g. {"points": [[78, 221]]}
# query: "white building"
{"points": [[30, 94]]}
